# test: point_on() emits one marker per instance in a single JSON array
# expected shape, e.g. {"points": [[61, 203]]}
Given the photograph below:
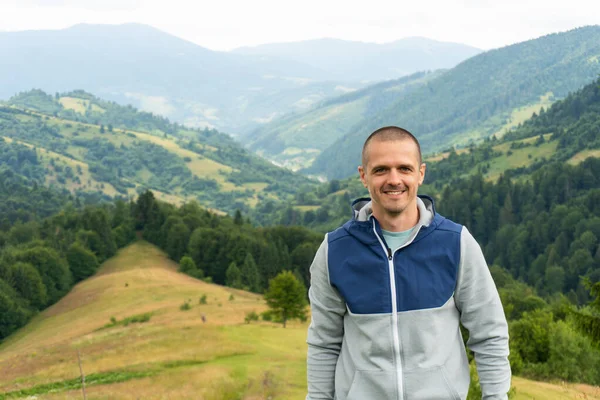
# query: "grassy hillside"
{"points": [[480, 97], [87, 144], [173, 354]]}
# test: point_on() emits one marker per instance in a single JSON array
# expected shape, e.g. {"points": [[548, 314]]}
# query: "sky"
{"points": [[228, 24]]}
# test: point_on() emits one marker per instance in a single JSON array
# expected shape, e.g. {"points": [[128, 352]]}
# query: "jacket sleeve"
{"points": [[482, 314], [326, 329]]}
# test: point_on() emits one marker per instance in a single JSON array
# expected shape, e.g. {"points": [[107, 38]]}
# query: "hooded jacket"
{"points": [[385, 326]]}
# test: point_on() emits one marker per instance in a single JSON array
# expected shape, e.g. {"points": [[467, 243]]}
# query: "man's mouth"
{"points": [[394, 192]]}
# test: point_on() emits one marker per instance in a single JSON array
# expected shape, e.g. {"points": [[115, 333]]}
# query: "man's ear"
{"points": [[422, 169], [361, 172]]}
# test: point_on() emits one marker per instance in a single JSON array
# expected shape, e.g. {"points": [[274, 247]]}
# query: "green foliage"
{"points": [[188, 266], [249, 274], [202, 299], [134, 319], [233, 276], [26, 280], [82, 262], [286, 296], [251, 316], [12, 314], [475, 99], [53, 269], [185, 306]]}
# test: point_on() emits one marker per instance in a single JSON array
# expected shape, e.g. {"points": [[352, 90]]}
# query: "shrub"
{"points": [[202, 299], [185, 306], [251, 316]]}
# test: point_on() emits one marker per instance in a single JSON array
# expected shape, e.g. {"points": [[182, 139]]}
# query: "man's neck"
{"points": [[400, 222]]}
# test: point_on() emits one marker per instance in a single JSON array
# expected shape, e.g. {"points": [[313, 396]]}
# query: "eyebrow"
{"points": [[383, 166]]}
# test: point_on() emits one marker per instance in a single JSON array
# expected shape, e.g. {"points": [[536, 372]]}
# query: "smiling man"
{"points": [[390, 287]]}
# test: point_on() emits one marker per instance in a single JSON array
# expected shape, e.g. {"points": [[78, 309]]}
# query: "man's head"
{"points": [[389, 133], [392, 170]]}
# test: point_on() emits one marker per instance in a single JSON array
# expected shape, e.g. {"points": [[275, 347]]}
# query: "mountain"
{"points": [[140, 65], [361, 61], [483, 96], [562, 136], [79, 142], [294, 140]]}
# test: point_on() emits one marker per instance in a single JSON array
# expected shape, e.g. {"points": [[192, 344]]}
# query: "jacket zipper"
{"points": [[395, 333]]}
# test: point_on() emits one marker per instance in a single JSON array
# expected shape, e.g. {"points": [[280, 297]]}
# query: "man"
{"points": [[389, 288]]}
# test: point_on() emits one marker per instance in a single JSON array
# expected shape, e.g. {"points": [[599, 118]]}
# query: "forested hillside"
{"points": [[480, 97], [82, 143], [295, 140]]}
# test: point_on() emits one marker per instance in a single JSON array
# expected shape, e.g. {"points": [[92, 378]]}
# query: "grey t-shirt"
{"points": [[395, 240]]}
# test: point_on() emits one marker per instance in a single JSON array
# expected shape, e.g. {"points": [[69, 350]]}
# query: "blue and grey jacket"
{"points": [[385, 326]]}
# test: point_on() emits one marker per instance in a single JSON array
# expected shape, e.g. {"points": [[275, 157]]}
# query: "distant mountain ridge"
{"points": [[158, 72], [478, 98], [363, 61]]}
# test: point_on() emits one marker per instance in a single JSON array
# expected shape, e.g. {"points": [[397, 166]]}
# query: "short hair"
{"points": [[389, 133]]}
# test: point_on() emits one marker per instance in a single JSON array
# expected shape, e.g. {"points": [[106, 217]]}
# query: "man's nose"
{"points": [[394, 177]]}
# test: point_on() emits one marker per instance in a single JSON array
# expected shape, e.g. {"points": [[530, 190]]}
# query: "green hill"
{"points": [[295, 140], [484, 95], [86, 144]]}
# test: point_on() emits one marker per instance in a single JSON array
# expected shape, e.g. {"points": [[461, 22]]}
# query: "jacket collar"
{"points": [[361, 226]]}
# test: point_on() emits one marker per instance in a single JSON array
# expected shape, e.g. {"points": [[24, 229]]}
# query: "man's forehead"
{"points": [[383, 146]]}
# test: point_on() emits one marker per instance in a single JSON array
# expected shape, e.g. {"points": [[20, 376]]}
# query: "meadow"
{"points": [[145, 331]]}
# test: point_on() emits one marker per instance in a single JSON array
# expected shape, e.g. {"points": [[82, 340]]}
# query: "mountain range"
{"points": [[157, 72], [483, 96]]}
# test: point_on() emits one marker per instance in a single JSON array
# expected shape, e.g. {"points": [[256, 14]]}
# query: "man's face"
{"points": [[392, 175]]}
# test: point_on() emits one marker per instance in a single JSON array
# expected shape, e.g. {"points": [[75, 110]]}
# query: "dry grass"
{"points": [[141, 279], [78, 105], [582, 155], [532, 390]]}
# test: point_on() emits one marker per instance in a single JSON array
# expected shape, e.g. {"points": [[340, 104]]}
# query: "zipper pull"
{"points": [[390, 256]]}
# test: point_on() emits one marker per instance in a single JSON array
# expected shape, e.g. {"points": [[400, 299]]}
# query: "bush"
{"points": [[202, 299], [185, 306], [251, 316]]}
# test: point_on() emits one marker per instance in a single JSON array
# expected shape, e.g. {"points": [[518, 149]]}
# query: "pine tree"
{"points": [[249, 274]]}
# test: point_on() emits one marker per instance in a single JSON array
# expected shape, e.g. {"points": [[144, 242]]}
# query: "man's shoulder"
{"points": [[444, 224], [340, 232]]}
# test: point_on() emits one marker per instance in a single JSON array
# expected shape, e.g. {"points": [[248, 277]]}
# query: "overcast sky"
{"points": [[227, 24]]}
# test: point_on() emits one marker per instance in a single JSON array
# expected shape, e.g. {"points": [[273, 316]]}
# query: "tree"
{"points": [[233, 276], [28, 282], [588, 319], [82, 262], [249, 273], [188, 266], [286, 296]]}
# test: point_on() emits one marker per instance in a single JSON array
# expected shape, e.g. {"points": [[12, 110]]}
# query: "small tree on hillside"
{"points": [[287, 297], [188, 266]]}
